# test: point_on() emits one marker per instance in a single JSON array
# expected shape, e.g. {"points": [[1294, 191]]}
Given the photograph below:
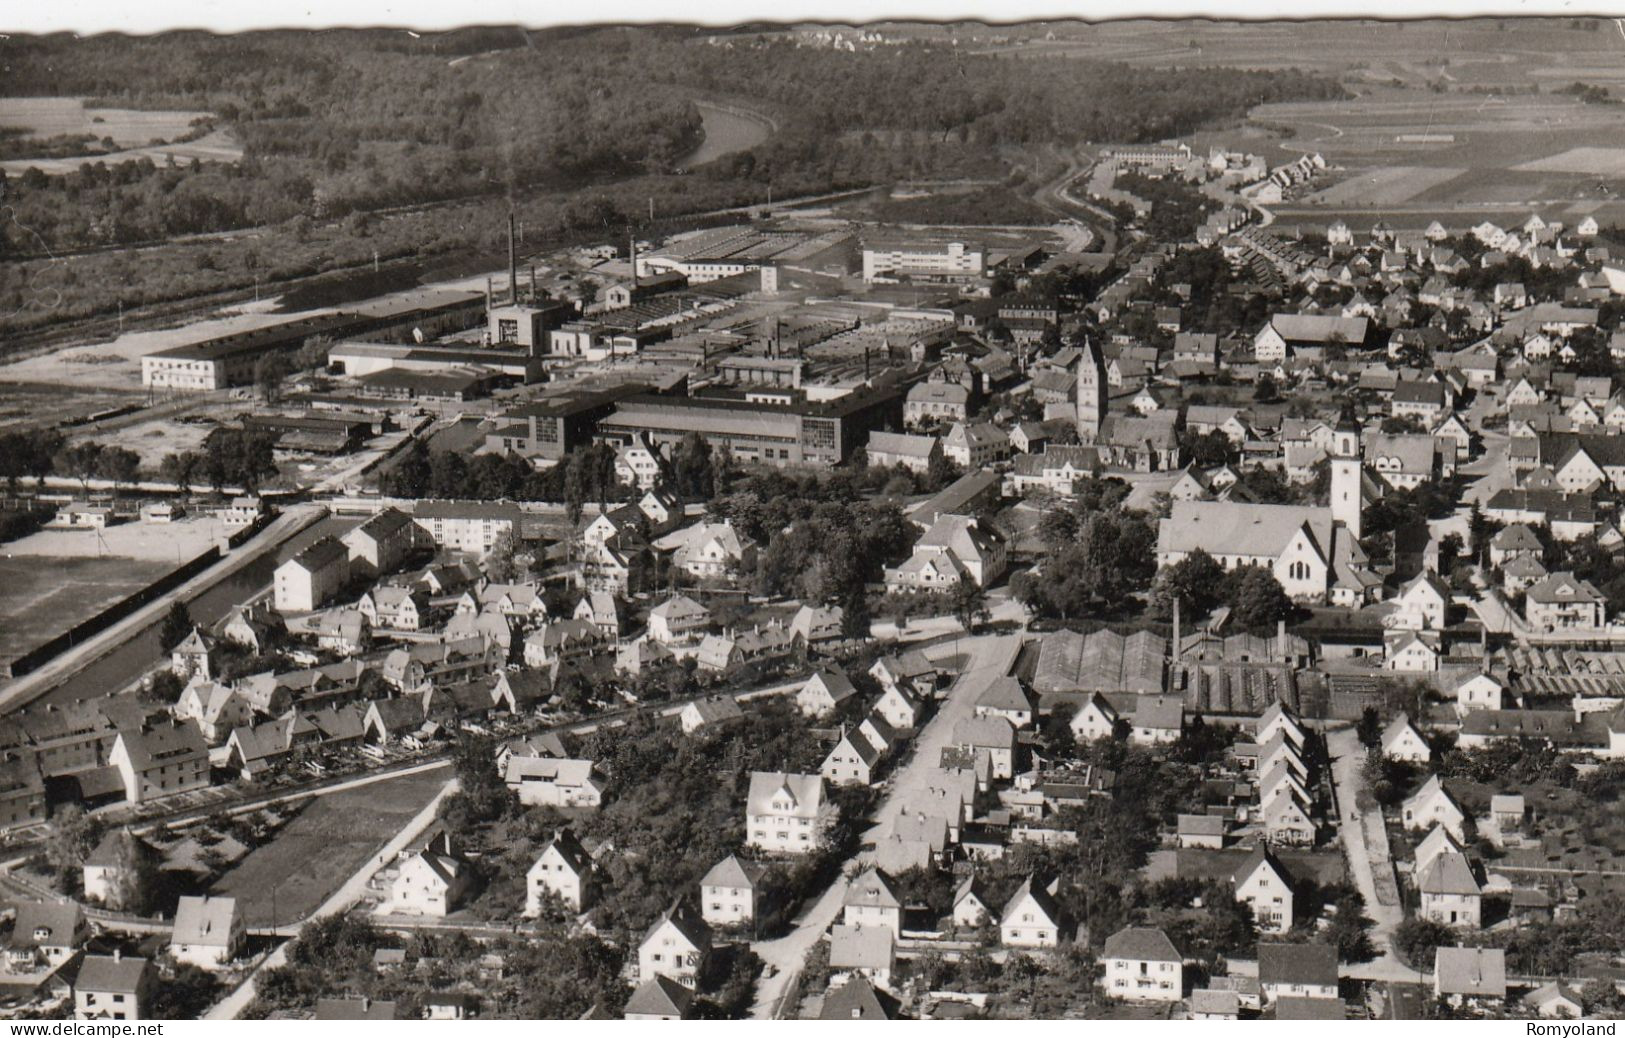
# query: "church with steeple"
{"points": [[1313, 551]]}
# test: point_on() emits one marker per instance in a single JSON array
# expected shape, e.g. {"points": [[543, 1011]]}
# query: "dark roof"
{"points": [[1312, 963]]}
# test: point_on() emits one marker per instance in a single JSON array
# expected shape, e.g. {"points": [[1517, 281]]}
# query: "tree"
{"points": [[1369, 728], [70, 837], [498, 563], [692, 468], [1256, 598], [1195, 581], [180, 468], [969, 602], [79, 460], [1265, 391], [1417, 939], [270, 371], [177, 624]]}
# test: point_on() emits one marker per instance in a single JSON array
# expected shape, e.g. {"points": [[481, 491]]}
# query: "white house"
{"points": [[432, 882], [1263, 884], [1141, 964], [563, 870], [1031, 918], [729, 892], [1432, 805], [786, 812], [676, 946], [208, 931], [872, 900], [1402, 741]]}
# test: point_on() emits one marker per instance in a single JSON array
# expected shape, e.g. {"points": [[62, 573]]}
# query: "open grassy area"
{"points": [[333, 837], [40, 597]]}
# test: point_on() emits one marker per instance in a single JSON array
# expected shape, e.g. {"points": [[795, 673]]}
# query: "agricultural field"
{"points": [[138, 133], [333, 837], [39, 600], [56, 116]]}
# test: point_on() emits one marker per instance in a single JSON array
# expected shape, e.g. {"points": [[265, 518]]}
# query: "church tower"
{"points": [[1091, 393], [1348, 496]]}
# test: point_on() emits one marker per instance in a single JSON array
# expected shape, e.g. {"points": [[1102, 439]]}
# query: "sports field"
{"points": [[40, 597]]}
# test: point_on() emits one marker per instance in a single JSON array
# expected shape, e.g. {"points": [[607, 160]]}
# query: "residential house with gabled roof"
{"points": [[709, 550], [551, 782], [730, 892], [1142, 965], [866, 951], [563, 870], [433, 882], [709, 712], [818, 625], [824, 692], [312, 577], [382, 543], [1470, 975], [679, 620], [1264, 885], [900, 707], [1297, 970], [971, 909], [1005, 697], [1200, 831], [113, 987], [209, 932], [1031, 918], [786, 813], [1449, 892], [45, 933], [160, 761], [659, 998], [913, 452], [1432, 805], [1402, 740], [564, 641], [600, 609], [1157, 719], [1287, 822], [1095, 719], [872, 900], [1563, 601], [908, 670], [676, 946], [1555, 1000], [348, 1008], [1438, 841], [955, 548], [859, 999], [214, 707], [852, 761], [1421, 604], [974, 738]]}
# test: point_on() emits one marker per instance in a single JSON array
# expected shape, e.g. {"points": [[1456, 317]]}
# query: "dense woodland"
{"points": [[578, 130]]}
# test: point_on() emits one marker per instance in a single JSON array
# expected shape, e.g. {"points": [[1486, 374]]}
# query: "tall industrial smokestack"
{"points": [[632, 255], [513, 265]]}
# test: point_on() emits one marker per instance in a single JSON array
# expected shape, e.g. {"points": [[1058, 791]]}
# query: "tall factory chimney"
{"points": [[632, 254], [513, 265]]}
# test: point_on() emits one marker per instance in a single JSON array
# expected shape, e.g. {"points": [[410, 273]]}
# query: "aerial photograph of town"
{"points": [[867, 520]]}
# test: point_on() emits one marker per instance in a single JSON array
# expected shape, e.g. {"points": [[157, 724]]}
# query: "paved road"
{"points": [[1381, 898], [990, 657]]}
